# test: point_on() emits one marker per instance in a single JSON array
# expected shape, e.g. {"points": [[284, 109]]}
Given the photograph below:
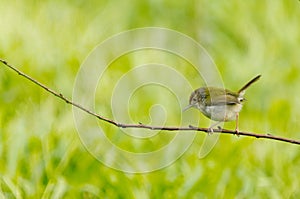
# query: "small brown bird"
{"points": [[219, 104]]}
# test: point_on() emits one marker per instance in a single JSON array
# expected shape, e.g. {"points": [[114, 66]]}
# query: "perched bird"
{"points": [[219, 104]]}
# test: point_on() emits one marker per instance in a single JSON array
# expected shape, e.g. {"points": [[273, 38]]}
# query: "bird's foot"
{"points": [[210, 131], [237, 132]]}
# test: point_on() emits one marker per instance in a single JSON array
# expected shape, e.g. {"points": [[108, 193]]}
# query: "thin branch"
{"points": [[142, 126]]}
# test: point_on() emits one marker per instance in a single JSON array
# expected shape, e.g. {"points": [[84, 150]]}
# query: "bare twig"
{"points": [[142, 126]]}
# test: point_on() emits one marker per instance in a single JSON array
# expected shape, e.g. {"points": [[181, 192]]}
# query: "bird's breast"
{"points": [[221, 112]]}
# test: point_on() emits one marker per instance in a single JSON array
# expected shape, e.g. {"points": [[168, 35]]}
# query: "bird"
{"points": [[219, 104]]}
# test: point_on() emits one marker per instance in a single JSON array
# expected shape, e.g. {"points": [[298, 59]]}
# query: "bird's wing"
{"points": [[220, 99]]}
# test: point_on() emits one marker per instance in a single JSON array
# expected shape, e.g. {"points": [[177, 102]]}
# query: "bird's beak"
{"points": [[187, 107]]}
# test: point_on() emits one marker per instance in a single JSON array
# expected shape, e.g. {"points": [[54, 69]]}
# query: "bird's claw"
{"points": [[237, 132], [210, 131]]}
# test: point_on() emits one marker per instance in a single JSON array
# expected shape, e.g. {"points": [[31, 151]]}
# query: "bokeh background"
{"points": [[40, 151]]}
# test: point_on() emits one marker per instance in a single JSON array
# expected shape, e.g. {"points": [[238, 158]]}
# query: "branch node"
{"points": [[193, 127]]}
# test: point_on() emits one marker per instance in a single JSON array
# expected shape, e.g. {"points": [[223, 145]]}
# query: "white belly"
{"points": [[222, 113]]}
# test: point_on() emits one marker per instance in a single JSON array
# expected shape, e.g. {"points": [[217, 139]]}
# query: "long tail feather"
{"points": [[248, 84]]}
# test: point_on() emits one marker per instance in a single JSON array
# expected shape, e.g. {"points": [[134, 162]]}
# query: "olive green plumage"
{"points": [[219, 104]]}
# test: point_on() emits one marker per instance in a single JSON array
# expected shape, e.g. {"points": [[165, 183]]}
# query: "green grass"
{"points": [[41, 154]]}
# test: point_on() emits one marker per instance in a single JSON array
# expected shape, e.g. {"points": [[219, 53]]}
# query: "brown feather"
{"points": [[248, 84]]}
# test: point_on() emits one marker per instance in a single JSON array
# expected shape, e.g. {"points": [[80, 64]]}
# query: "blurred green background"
{"points": [[40, 152]]}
